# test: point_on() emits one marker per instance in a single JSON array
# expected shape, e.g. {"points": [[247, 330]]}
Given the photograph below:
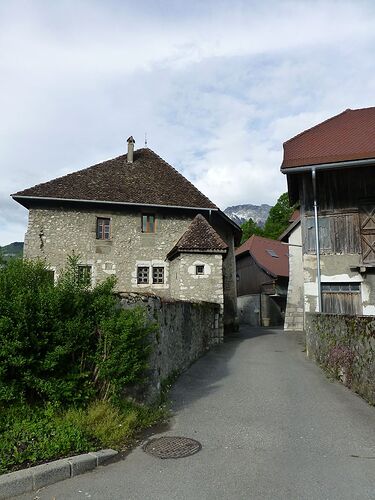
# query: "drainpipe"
{"points": [[317, 243]]}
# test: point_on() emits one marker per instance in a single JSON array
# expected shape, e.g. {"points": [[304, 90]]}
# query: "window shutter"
{"points": [[367, 221]]}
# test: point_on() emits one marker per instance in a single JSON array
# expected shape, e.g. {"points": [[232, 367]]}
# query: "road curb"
{"points": [[33, 478]]}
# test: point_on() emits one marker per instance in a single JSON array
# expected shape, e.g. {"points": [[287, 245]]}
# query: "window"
{"points": [[199, 269], [158, 275], [84, 275], [148, 223], [272, 253], [142, 275], [103, 228], [341, 298]]}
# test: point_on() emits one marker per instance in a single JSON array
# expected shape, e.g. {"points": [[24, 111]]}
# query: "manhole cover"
{"points": [[172, 447]]}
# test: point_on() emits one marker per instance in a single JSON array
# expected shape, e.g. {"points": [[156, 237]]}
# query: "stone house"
{"points": [[330, 170], [137, 218], [262, 281], [294, 317]]}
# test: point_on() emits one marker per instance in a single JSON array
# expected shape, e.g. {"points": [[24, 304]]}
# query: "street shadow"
{"points": [[206, 375]]}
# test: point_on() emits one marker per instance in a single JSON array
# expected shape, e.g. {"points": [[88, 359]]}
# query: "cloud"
{"points": [[217, 86]]}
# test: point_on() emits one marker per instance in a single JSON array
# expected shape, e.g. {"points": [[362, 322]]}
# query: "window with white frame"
{"points": [[157, 275], [199, 269], [84, 274], [142, 275]]}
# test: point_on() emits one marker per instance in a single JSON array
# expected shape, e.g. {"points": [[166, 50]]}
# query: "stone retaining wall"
{"points": [[345, 347], [186, 331]]}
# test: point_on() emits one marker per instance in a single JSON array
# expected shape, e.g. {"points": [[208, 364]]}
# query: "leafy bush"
{"points": [[66, 343]]}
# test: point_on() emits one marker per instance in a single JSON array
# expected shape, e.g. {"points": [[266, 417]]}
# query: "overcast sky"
{"points": [[217, 85]]}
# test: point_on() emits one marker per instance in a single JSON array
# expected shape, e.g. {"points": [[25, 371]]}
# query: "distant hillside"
{"points": [[12, 250], [242, 213]]}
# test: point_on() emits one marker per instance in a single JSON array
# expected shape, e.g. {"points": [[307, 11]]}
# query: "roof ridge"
{"points": [[200, 226], [179, 173], [71, 173]]}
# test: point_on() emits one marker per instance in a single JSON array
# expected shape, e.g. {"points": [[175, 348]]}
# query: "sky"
{"points": [[218, 86]]}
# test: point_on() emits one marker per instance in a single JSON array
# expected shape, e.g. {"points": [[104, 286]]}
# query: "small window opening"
{"points": [[148, 223], [84, 275], [142, 275], [103, 228], [158, 275], [272, 253], [199, 269], [341, 298]]}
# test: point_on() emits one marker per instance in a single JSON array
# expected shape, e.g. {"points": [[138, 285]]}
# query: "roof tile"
{"points": [[347, 136], [199, 236], [257, 246], [148, 180]]}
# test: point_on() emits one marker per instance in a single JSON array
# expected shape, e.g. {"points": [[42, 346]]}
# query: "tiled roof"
{"points": [[294, 220], [295, 215], [200, 236], [262, 251], [148, 180], [344, 137]]}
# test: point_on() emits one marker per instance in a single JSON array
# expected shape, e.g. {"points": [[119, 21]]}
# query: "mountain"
{"points": [[241, 213], [12, 250]]}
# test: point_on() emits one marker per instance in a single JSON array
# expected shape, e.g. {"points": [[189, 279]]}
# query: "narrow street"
{"points": [[272, 426]]}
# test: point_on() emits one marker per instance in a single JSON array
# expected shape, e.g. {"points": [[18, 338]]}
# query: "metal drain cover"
{"points": [[172, 447]]}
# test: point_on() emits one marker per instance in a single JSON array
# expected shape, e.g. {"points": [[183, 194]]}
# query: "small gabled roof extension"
{"points": [[148, 180], [347, 136], [294, 220], [200, 236], [270, 255]]}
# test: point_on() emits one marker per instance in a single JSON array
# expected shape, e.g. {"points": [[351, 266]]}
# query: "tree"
{"points": [[278, 218], [249, 228]]}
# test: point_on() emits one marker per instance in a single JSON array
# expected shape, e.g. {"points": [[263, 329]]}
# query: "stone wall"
{"points": [[186, 331], [54, 234], [345, 347], [295, 301], [187, 285]]}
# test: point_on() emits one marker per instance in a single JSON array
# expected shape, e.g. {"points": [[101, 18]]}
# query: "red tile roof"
{"points": [[200, 236], [295, 215], [257, 246], [347, 136], [294, 220], [148, 180]]}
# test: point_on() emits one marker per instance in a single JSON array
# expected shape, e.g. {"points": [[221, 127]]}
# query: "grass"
{"points": [[34, 434]]}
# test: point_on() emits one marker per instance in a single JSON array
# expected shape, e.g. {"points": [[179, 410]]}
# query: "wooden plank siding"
{"points": [[337, 189], [367, 228], [251, 276], [338, 234]]}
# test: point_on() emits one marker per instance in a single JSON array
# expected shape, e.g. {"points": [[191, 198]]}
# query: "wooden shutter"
{"points": [[367, 221]]}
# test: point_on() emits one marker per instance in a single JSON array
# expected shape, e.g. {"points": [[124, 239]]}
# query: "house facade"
{"points": [[136, 218], [262, 281], [331, 172]]}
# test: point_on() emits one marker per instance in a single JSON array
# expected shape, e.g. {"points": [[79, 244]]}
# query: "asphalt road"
{"points": [[272, 426]]}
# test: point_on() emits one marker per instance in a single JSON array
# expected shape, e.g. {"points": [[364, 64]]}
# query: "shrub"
{"points": [[66, 343]]}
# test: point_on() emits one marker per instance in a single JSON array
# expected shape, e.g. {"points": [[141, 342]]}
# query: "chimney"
{"points": [[131, 143]]}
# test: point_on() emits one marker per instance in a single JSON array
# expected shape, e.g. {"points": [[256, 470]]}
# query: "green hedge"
{"points": [[65, 342]]}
